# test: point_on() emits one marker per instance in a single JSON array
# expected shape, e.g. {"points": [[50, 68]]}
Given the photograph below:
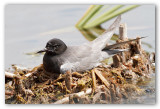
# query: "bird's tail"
{"points": [[120, 43], [115, 51], [102, 40]]}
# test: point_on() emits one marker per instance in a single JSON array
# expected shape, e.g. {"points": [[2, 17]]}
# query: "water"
{"points": [[29, 27]]}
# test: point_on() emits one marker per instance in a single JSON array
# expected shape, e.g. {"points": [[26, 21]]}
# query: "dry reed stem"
{"points": [[123, 31], [93, 80], [68, 80], [10, 75], [98, 73], [116, 61], [79, 94]]}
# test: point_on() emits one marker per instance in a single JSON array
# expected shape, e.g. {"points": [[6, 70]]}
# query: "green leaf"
{"points": [[110, 16]]}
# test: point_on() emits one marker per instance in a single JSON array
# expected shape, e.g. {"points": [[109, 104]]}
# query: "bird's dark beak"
{"points": [[44, 50]]}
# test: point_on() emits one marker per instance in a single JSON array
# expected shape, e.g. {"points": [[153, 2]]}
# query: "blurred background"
{"points": [[29, 27]]}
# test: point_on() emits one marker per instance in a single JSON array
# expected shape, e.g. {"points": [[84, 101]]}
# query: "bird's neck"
{"points": [[51, 54]]}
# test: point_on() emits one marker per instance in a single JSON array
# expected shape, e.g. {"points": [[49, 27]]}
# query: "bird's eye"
{"points": [[49, 45]]}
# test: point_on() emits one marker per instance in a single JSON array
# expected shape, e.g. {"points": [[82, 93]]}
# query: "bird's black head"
{"points": [[54, 47]]}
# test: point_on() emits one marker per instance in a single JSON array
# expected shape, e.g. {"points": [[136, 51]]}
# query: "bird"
{"points": [[60, 58]]}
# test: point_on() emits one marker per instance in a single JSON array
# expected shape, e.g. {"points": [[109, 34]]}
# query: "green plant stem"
{"points": [[99, 11], [110, 11], [114, 14], [107, 13], [88, 15]]}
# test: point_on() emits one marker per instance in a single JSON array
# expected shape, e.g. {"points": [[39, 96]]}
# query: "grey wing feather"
{"points": [[76, 53], [79, 58], [103, 39], [115, 51]]}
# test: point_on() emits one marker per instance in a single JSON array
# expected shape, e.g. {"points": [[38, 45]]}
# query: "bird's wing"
{"points": [[103, 39], [79, 58], [76, 53], [88, 55]]}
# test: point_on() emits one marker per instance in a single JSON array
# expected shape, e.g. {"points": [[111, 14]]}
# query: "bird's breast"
{"points": [[51, 63]]}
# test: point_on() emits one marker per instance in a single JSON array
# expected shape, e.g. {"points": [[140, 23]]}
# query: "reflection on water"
{"points": [[92, 33]]}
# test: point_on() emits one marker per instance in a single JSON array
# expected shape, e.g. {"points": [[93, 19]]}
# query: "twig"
{"points": [[123, 36], [19, 87], [152, 57], [93, 80], [98, 73], [28, 74], [139, 45], [123, 31], [96, 97], [10, 75], [82, 93], [68, 80], [116, 61], [9, 93], [34, 70], [71, 101], [113, 93], [77, 75]]}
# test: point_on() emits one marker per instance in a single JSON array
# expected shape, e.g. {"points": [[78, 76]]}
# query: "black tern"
{"points": [[60, 58]]}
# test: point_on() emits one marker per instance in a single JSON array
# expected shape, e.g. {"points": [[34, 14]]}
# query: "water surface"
{"points": [[29, 27]]}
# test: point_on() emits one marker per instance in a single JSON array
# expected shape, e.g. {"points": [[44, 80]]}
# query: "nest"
{"points": [[118, 82]]}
